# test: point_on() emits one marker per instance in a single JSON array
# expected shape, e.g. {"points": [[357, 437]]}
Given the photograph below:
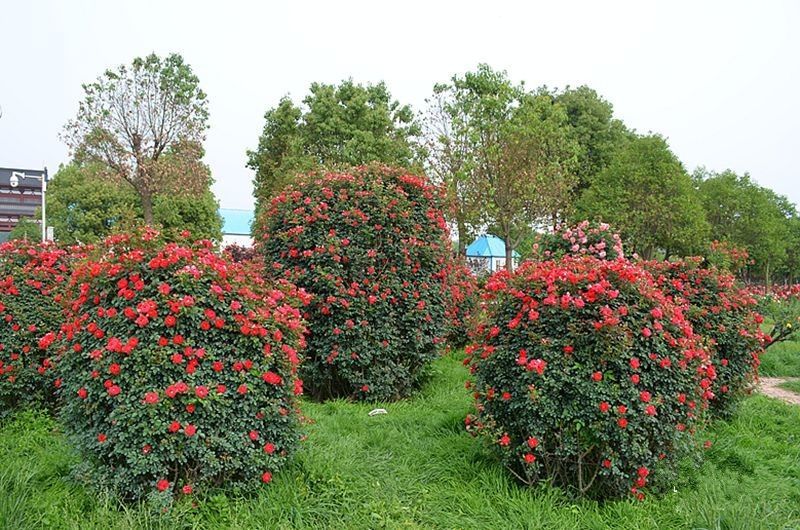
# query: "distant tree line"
{"points": [[516, 160], [512, 159]]}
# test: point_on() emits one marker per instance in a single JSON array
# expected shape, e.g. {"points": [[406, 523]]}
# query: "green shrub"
{"points": [[371, 246], [180, 369], [586, 375]]}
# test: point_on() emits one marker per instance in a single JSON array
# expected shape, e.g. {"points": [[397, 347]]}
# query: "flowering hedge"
{"points": [[726, 318], [180, 369], [31, 276], [462, 297], [586, 375], [587, 238], [371, 246]]}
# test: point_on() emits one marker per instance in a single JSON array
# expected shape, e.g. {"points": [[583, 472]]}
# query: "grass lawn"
{"points": [[793, 386], [781, 360], [417, 468]]}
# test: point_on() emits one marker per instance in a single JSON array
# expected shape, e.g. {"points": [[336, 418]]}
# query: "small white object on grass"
{"points": [[375, 412]]}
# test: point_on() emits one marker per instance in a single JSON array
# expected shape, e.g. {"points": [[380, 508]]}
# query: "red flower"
{"points": [[622, 422], [82, 393], [242, 389], [597, 376], [529, 458], [174, 427], [189, 430], [162, 485], [101, 438], [650, 410], [604, 406], [266, 478], [170, 321], [272, 378], [187, 489], [217, 366], [645, 396], [201, 391], [114, 390], [607, 463], [253, 435], [505, 440], [151, 398], [269, 448]]}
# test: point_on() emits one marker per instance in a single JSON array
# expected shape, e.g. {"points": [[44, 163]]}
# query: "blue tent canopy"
{"points": [[236, 222], [488, 246]]}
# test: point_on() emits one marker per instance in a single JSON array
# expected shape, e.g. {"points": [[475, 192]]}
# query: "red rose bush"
{"points": [[586, 375], [371, 246], [725, 316], [180, 369], [31, 277]]}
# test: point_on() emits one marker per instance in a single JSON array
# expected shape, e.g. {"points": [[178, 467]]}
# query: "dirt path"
{"points": [[769, 387]]}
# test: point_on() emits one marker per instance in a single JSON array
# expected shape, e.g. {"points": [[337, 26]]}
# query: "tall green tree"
{"points": [[336, 125], [134, 117], [595, 129], [504, 154], [749, 216], [647, 195], [83, 208]]}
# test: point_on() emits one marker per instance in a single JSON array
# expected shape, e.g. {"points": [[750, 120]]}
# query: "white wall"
{"points": [[231, 239]]}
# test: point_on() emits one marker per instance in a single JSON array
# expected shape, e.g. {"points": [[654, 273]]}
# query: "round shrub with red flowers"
{"points": [[31, 276], [587, 238], [586, 375], [371, 246], [180, 369], [725, 316]]}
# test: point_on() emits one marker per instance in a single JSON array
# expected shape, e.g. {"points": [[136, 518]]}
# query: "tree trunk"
{"points": [[509, 253], [462, 236], [147, 207], [766, 277]]}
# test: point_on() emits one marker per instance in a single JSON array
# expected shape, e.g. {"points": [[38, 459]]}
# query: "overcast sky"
{"points": [[719, 79]]}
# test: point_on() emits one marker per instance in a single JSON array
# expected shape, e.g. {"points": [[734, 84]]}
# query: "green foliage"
{"points": [[85, 208], [27, 229], [178, 371], [593, 125], [506, 156], [647, 195], [198, 215], [31, 278], [338, 126], [748, 216], [371, 246]]}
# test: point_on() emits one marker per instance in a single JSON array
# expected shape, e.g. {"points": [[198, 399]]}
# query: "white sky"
{"points": [[718, 79]]}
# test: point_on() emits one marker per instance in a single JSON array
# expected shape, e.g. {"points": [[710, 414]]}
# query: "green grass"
{"points": [[417, 468], [781, 360], [792, 386]]}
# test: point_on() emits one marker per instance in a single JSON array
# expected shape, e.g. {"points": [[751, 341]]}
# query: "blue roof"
{"points": [[488, 246], [236, 222]]}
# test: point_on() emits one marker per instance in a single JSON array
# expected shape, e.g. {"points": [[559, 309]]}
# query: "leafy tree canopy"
{"points": [[337, 125]]}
